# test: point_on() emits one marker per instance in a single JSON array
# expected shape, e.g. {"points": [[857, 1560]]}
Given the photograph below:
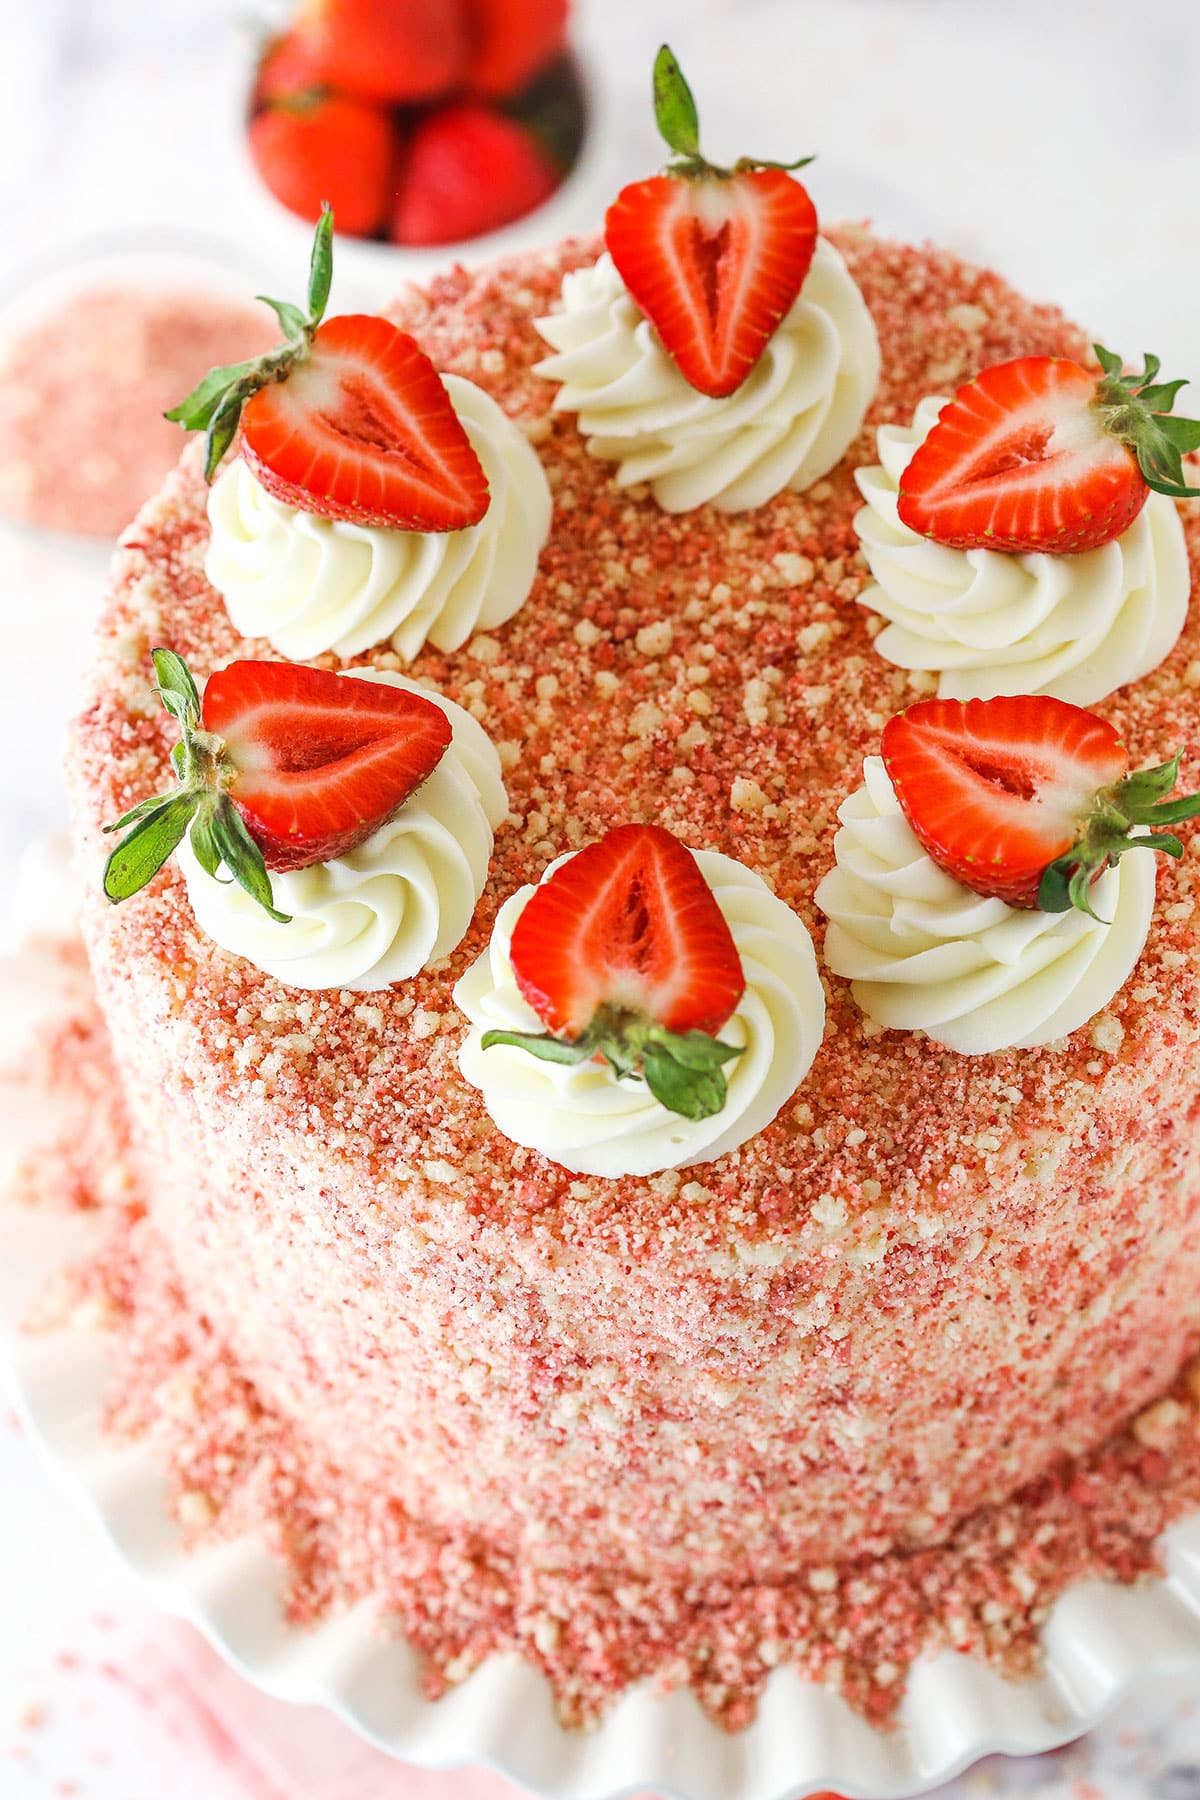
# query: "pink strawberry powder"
{"points": [[83, 391]]}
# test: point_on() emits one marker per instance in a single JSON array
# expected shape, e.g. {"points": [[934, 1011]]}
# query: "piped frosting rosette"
{"points": [[398, 902], [591, 1122], [1077, 626], [787, 425], [308, 584], [923, 952]]}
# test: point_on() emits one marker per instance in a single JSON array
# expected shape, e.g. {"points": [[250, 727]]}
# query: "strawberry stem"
{"points": [[681, 1069], [1136, 410], [1118, 823], [215, 404], [678, 122], [201, 804]]}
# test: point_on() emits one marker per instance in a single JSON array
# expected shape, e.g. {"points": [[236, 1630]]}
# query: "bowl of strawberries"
{"points": [[438, 130]]}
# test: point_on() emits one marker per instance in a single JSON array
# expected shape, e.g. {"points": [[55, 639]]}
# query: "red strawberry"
{"points": [[319, 760], [287, 70], [279, 767], [320, 148], [1024, 797], [626, 956], [713, 257], [363, 429], [393, 50], [1039, 454], [511, 41], [348, 419], [469, 170]]}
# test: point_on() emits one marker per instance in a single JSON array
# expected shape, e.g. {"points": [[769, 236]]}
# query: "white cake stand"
{"points": [[1100, 1642]]}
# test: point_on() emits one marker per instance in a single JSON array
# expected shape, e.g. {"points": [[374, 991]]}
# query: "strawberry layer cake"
{"points": [[652, 1311]]}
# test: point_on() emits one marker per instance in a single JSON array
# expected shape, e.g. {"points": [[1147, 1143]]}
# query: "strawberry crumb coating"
{"points": [[925, 1283]]}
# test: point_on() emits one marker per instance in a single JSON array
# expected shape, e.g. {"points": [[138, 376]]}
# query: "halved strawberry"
{"points": [[348, 419], [363, 429], [318, 761], [626, 956], [279, 767], [1039, 454], [1026, 798], [714, 257]]}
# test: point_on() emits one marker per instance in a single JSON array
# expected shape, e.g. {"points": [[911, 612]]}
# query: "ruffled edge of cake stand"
{"points": [[1101, 1640]]}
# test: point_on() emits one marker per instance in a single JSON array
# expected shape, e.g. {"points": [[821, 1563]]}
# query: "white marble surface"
{"points": [[1057, 139]]}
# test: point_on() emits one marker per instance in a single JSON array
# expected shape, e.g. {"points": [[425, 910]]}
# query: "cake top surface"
{"points": [[710, 673]]}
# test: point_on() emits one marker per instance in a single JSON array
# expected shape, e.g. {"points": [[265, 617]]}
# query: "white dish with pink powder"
{"points": [[1099, 1642]]}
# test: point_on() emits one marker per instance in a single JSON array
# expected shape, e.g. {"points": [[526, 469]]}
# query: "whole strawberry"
{"points": [[627, 958], [1041, 455], [714, 257], [391, 50], [1025, 798], [511, 41], [279, 767], [316, 147], [469, 169]]}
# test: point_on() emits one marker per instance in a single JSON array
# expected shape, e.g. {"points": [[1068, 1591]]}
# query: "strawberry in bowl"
{"points": [[426, 122]]}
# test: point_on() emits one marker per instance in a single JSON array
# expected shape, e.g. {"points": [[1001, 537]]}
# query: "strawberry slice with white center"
{"points": [[1039, 454], [348, 419], [318, 761], [714, 257], [279, 767], [1026, 799], [625, 955]]}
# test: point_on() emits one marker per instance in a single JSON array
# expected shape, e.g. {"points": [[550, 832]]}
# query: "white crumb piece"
{"points": [[646, 719], [483, 648], [587, 634], [1107, 1033], [195, 1509], [795, 570], [746, 796], [546, 686], [655, 639], [967, 316]]}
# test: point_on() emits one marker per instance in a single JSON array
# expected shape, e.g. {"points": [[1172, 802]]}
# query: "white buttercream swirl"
{"points": [[1075, 626], [925, 953], [582, 1116], [309, 584], [790, 422], [384, 911]]}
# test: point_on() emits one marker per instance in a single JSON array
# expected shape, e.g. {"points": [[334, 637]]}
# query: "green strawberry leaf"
{"points": [[142, 810], [541, 1045], [675, 106], [196, 411], [242, 857], [139, 856], [692, 1093], [694, 1049], [176, 689], [290, 317], [204, 844], [320, 270]]}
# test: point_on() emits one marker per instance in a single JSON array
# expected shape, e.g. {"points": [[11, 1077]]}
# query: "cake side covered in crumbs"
{"points": [[929, 1280]]}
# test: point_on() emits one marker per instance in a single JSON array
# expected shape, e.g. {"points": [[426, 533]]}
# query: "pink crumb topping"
{"points": [[855, 1624], [694, 1425]]}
